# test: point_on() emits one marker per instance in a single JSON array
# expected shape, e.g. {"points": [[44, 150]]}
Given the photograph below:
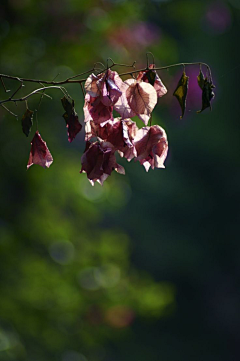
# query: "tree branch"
{"points": [[73, 80]]}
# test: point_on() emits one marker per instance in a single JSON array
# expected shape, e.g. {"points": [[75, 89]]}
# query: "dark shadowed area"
{"points": [[145, 267]]}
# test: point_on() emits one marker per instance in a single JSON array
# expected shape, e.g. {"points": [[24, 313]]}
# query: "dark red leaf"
{"points": [[71, 118], [98, 161], [39, 153], [95, 110]]}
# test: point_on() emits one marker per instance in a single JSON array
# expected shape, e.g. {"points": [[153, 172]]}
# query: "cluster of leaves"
{"points": [[105, 135]]}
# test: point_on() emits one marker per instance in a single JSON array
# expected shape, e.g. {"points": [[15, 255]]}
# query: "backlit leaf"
{"points": [[142, 98], [39, 153]]}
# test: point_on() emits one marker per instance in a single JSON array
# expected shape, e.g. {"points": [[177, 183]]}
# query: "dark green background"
{"points": [[147, 266]]}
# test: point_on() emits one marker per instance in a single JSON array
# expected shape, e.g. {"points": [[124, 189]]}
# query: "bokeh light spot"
{"points": [[62, 252]]}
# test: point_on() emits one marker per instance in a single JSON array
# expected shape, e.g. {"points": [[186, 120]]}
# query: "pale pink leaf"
{"points": [[122, 106], [94, 85], [152, 146], [142, 98]]}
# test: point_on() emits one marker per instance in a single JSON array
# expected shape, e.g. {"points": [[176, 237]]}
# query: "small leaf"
{"points": [[27, 122], [71, 118], [181, 92], [39, 153], [207, 94], [151, 76], [200, 79]]}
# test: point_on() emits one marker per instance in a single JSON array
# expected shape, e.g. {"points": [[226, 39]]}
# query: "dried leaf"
{"points": [[152, 147], [207, 94], [71, 118], [142, 98], [122, 106], [98, 161], [111, 90], [94, 84], [27, 122], [95, 110], [181, 92], [39, 153], [200, 79], [151, 76]]}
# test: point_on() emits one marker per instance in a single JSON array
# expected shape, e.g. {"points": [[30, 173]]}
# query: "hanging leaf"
{"points": [[27, 122], [142, 98], [207, 94], [71, 118], [151, 76], [39, 153], [200, 79], [181, 92]]}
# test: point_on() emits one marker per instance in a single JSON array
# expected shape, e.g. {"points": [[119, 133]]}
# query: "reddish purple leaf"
{"points": [[105, 86], [152, 146], [111, 90], [98, 161], [73, 125], [102, 92], [122, 106], [39, 153], [95, 110], [71, 118], [120, 133]]}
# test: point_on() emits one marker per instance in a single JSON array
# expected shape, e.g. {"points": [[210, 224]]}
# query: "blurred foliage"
{"points": [[147, 266]]}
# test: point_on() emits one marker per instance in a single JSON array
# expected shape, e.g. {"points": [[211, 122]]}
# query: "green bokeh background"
{"points": [[147, 266]]}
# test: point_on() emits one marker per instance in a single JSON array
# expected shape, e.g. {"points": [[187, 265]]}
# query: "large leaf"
{"points": [[142, 98], [98, 161], [151, 146], [181, 92], [71, 118], [27, 121], [111, 90], [122, 106], [39, 153]]}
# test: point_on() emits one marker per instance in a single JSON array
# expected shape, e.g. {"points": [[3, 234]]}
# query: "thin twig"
{"points": [[83, 90], [4, 86], [20, 87], [36, 91], [3, 106]]}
